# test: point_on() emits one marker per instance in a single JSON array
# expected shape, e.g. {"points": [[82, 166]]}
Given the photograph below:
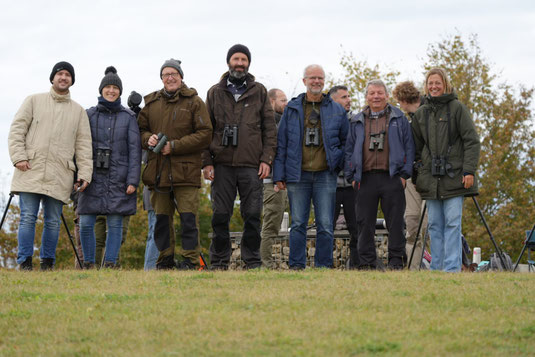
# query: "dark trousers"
{"points": [[375, 187], [226, 180], [346, 196]]}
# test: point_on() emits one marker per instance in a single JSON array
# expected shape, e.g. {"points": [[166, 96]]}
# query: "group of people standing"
{"points": [[250, 141]]}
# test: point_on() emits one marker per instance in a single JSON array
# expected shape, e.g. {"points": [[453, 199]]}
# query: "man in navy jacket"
{"points": [[379, 154], [310, 145]]}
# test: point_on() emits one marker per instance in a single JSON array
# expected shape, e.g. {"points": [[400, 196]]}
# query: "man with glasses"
{"points": [[239, 157], [310, 143], [175, 128]]}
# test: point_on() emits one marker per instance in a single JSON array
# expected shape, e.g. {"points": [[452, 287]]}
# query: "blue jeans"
{"points": [[445, 219], [151, 251], [29, 209], [113, 237], [321, 188]]}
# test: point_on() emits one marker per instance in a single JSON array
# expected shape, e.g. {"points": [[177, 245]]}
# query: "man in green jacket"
{"points": [[49, 130], [239, 157], [174, 173]]}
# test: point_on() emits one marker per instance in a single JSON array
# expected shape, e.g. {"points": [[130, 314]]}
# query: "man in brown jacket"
{"points": [[240, 154], [174, 173], [49, 130]]}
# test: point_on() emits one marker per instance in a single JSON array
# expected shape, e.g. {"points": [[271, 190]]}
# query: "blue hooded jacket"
{"points": [[400, 143], [334, 126], [106, 194]]}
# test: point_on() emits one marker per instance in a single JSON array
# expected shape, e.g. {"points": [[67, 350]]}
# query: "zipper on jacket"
{"points": [[32, 138]]}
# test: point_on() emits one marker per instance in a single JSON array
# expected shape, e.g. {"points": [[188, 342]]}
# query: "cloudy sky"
{"points": [[283, 36]]}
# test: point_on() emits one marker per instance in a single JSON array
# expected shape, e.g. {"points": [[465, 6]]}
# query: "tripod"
{"points": [[498, 250], [11, 194], [528, 243]]}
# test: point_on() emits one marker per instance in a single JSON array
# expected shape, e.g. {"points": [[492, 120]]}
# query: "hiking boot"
{"points": [[47, 264], [88, 265], [186, 264], [219, 267], [297, 267], [167, 263], [26, 265], [110, 265]]}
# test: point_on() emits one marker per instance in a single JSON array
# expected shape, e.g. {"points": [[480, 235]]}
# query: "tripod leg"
{"points": [[72, 241], [524, 248], [11, 194], [498, 250], [417, 234], [423, 250]]}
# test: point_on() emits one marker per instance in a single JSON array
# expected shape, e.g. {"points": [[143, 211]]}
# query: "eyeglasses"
{"points": [[316, 78], [167, 75]]}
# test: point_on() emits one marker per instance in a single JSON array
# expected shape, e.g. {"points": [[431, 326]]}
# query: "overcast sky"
{"points": [[283, 37]]}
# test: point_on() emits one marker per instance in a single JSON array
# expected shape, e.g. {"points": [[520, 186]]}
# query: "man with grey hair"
{"points": [[378, 160], [310, 144]]}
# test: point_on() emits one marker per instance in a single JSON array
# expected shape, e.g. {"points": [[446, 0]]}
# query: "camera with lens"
{"points": [[377, 140], [440, 166], [230, 135], [162, 140], [102, 160], [134, 100], [312, 137]]}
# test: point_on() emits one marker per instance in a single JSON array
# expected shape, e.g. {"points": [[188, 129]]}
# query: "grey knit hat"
{"points": [[173, 63], [111, 78]]}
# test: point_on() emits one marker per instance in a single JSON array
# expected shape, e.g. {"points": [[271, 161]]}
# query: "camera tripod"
{"points": [[528, 243], [11, 194], [498, 250]]}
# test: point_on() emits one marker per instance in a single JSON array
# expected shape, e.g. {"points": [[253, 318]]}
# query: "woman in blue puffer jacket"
{"points": [[116, 170]]}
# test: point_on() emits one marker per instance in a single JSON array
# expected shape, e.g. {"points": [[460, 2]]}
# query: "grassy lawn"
{"points": [[312, 313]]}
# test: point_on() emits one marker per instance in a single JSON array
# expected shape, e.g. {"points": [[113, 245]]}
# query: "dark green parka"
{"points": [[432, 136]]}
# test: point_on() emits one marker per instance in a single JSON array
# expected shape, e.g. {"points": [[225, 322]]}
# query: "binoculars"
{"points": [[377, 140], [162, 140], [230, 135], [312, 137]]}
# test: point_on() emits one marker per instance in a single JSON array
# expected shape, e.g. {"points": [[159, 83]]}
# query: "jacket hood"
{"points": [[443, 99], [183, 91]]}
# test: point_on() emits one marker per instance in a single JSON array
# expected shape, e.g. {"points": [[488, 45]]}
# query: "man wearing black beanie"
{"points": [[239, 157], [48, 131]]}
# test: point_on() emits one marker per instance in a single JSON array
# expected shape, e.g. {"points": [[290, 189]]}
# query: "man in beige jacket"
{"points": [[48, 133]]}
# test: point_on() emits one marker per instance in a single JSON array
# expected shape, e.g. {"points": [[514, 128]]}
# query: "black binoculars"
{"points": [[102, 159], [230, 135], [312, 137], [162, 140], [441, 167]]}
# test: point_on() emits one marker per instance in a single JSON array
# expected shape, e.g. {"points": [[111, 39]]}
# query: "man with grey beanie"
{"points": [[175, 127], [239, 157], [49, 130]]}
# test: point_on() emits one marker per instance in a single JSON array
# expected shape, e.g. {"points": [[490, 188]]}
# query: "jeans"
{"points": [[29, 209], [151, 251], [113, 238], [445, 218], [321, 188]]}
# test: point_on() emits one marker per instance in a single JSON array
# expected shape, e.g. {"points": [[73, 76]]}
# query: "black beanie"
{"points": [[62, 66], [111, 78], [173, 63], [241, 49]]}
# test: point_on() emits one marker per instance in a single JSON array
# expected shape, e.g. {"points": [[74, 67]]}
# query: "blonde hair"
{"points": [[445, 79]]}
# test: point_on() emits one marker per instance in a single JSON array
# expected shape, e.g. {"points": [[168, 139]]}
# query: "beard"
{"points": [[238, 74]]}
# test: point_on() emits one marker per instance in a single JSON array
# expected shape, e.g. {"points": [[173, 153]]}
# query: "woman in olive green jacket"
{"points": [[447, 155]]}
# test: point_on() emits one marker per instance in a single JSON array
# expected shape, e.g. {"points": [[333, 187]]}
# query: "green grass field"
{"points": [[311, 313]]}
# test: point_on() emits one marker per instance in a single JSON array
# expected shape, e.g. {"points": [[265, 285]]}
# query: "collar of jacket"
{"points": [[183, 91], [395, 112], [297, 102], [441, 100], [60, 97], [249, 78]]}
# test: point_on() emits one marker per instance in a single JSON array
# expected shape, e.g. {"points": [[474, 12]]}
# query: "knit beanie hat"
{"points": [[241, 49], [173, 63], [62, 66], [111, 78]]}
